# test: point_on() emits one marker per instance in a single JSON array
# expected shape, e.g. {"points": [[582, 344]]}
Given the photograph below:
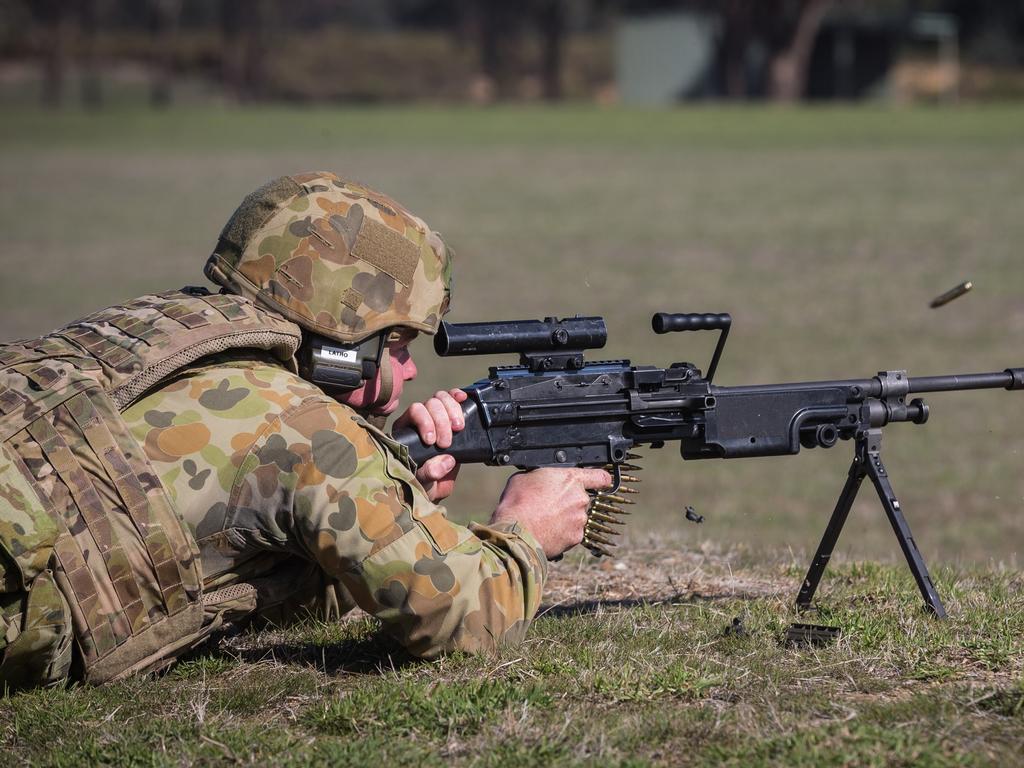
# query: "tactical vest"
{"points": [[99, 576]]}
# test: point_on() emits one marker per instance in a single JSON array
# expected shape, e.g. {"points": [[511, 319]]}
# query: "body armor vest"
{"points": [[99, 576]]}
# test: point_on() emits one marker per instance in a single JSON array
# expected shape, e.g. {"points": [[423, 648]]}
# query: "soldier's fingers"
{"points": [[442, 422], [438, 488], [420, 418], [443, 489], [594, 478], [460, 395], [451, 405], [435, 469]]}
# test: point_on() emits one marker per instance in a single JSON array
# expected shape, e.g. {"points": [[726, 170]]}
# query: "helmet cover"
{"points": [[334, 257]]}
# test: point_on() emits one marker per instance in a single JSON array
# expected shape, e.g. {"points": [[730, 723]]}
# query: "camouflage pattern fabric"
{"points": [[35, 631], [273, 476], [335, 257], [37, 635], [91, 548]]}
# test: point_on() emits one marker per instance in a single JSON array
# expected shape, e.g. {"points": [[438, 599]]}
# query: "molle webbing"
{"points": [[139, 344], [87, 505]]}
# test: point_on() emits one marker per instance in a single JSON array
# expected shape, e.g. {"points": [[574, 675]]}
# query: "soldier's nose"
{"points": [[409, 369]]}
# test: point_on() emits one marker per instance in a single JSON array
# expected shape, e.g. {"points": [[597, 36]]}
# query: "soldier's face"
{"points": [[403, 369]]}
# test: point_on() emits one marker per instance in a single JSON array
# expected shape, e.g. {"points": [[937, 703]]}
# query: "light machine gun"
{"points": [[555, 409]]}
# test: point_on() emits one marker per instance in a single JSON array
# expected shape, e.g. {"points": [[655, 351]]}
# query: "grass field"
{"points": [[627, 667], [823, 232]]}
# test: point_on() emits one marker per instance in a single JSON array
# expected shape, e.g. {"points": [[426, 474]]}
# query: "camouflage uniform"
{"points": [[291, 501], [275, 477]]}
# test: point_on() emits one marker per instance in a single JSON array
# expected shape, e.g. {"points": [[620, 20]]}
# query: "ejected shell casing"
{"points": [[953, 293]]}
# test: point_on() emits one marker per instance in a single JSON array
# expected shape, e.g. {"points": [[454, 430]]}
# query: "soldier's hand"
{"points": [[436, 420], [551, 504], [437, 476]]}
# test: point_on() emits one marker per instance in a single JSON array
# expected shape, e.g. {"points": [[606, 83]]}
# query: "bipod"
{"points": [[867, 462]]}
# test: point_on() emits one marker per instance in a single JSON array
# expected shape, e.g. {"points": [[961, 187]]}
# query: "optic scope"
{"points": [[518, 336], [542, 345]]}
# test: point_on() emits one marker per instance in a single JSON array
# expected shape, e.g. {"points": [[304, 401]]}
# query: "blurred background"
{"points": [[819, 169], [650, 52]]}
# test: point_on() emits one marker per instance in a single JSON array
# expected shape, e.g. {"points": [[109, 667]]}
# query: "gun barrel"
{"points": [[1011, 378]]}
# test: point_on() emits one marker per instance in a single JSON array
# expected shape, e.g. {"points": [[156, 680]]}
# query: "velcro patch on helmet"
{"points": [[256, 209], [352, 298], [382, 247]]}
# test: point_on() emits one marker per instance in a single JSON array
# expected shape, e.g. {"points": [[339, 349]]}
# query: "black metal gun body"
{"points": [[555, 409], [593, 416]]}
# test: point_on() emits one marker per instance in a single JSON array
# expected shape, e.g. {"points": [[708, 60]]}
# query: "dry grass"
{"points": [[630, 663], [824, 233]]}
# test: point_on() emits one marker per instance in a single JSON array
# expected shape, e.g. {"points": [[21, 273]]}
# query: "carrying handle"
{"points": [[668, 322]]}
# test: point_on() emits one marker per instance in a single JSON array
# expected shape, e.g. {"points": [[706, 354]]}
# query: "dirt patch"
{"points": [[652, 575]]}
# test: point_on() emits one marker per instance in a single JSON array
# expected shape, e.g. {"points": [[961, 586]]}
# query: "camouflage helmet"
{"points": [[334, 257]]}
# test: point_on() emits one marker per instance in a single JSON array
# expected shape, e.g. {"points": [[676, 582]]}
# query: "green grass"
{"points": [[825, 233], [208, 129], [645, 683]]}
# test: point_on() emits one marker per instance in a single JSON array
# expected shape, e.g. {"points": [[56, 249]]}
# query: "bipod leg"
{"points": [[835, 527], [880, 478]]}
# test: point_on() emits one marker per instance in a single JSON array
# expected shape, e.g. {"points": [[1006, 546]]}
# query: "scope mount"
{"points": [[539, 362]]}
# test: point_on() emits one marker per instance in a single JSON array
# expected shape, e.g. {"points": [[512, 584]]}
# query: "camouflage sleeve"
{"points": [[358, 510]]}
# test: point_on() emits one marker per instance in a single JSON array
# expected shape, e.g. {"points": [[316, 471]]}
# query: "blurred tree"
{"points": [[165, 16], [993, 29], [738, 17], [785, 29], [764, 47], [91, 13], [551, 19], [243, 28], [501, 26], [55, 24], [789, 65]]}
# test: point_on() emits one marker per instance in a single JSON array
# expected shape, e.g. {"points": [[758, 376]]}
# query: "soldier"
{"points": [[191, 461]]}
